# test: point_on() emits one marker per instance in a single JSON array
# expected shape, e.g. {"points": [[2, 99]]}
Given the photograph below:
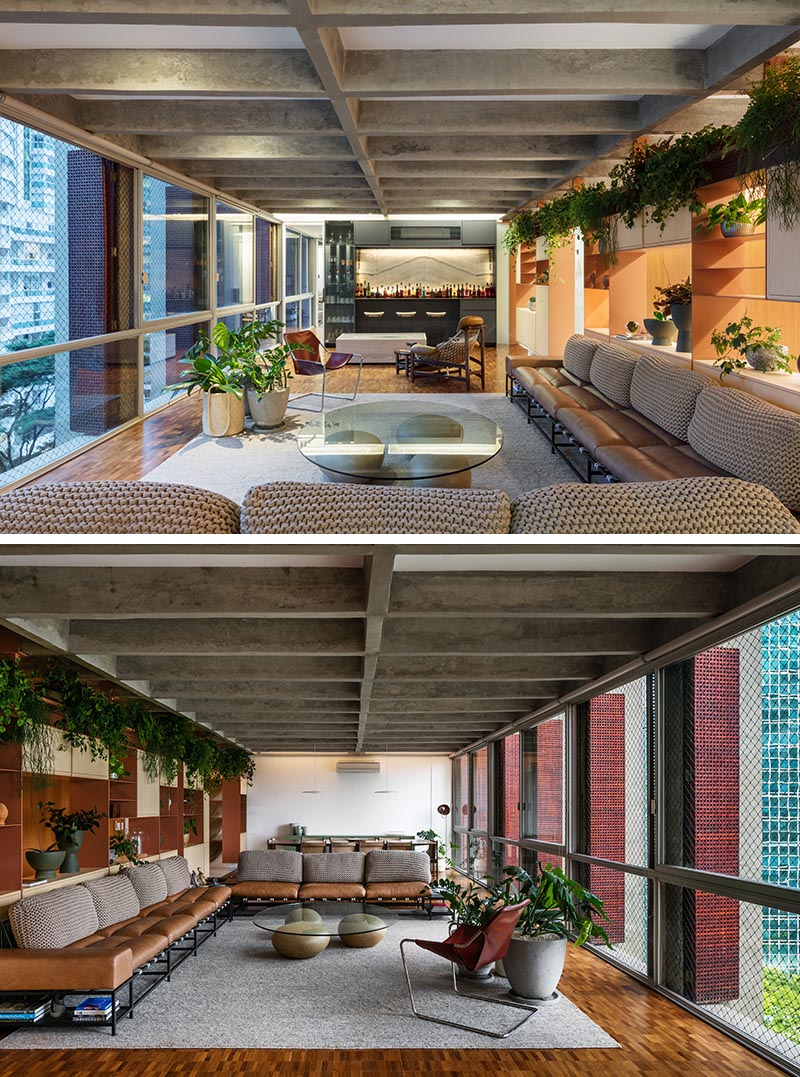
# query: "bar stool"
{"points": [[406, 313], [373, 315], [435, 323]]}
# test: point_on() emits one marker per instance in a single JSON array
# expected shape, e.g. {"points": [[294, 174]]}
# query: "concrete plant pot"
{"points": [[223, 415], [766, 359], [70, 865], [732, 231], [663, 333], [681, 314], [45, 862], [534, 966], [269, 410]]}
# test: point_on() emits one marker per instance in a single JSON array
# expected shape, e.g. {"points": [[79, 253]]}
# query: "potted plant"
{"points": [[122, 844], [68, 829], [738, 217], [267, 377], [472, 905], [741, 344], [675, 301], [559, 907], [219, 379]]}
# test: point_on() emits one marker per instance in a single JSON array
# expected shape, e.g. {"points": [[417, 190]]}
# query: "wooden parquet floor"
{"points": [[657, 1039], [136, 451]]}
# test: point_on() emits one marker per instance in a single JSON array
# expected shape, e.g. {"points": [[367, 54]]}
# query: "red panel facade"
{"points": [[607, 801]]}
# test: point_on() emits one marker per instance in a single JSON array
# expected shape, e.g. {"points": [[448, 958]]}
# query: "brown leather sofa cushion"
{"points": [[71, 969], [265, 890], [553, 399], [332, 890], [652, 463], [605, 427], [142, 949], [514, 362], [393, 891], [529, 377]]}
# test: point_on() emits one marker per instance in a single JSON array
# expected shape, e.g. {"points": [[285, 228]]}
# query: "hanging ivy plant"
{"points": [[233, 762], [163, 739], [522, 231], [768, 139], [24, 717], [90, 721], [200, 760]]}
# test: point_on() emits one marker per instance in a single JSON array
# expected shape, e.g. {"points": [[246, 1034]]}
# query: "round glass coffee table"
{"points": [[304, 929], [424, 444]]}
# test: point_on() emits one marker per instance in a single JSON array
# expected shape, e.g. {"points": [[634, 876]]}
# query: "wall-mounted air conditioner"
{"points": [[358, 766]]}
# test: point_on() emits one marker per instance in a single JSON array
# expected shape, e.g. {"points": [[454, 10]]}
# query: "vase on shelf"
{"points": [[681, 314], [71, 848], [3, 814]]}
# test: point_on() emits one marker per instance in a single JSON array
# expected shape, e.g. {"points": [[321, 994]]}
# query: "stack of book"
{"points": [[96, 1008], [25, 1010]]}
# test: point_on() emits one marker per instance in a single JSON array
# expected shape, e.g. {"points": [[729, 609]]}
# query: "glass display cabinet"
{"points": [[340, 307]]}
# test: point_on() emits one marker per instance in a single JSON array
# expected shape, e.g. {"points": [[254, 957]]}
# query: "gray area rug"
{"points": [[231, 466], [239, 993]]}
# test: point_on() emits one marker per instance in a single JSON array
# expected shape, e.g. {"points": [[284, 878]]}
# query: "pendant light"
{"points": [[315, 791], [386, 788]]}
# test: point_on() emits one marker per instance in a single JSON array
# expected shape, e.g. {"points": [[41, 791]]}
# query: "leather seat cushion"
{"points": [[396, 890], [652, 463], [648, 424], [142, 949], [217, 895], [605, 427], [515, 361], [332, 890], [554, 398], [173, 926], [198, 910], [253, 889]]}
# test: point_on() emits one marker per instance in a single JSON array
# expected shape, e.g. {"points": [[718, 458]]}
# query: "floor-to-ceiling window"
{"points": [[99, 299], [299, 280], [676, 798]]}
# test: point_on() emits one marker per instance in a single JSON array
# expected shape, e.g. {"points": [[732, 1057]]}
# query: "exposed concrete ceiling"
{"points": [[374, 648], [370, 106]]}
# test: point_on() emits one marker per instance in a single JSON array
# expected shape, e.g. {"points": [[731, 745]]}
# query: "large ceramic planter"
{"points": [[534, 966], [269, 410], [45, 862], [70, 865], [223, 415], [663, 333], [681, 314]]}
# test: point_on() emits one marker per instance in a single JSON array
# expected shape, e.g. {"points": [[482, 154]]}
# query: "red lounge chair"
{"points": [[315, 359]]}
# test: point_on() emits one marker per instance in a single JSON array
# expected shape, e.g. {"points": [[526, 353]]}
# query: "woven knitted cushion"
{"points": [[150, 884], [270, 866], [337, 507], [333, 867], [117, 508], [696, 506], [578, 354], [176, 872], [751, 439], [114, 899], [666, 394], [49, 921], [396, 866], [612, 372]]}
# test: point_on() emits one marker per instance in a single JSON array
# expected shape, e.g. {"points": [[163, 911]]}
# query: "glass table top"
{"points": [[326, 918], [399, 440]]}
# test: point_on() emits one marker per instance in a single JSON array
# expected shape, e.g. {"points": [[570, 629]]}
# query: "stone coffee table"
{"points": [[304, 929]]}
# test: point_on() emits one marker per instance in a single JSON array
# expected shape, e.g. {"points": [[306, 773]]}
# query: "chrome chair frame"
{"points": [[324, 375], [531, 1010]]}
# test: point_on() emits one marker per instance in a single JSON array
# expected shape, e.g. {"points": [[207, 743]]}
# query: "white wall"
{"points": [[348, 803], [503, 293]]}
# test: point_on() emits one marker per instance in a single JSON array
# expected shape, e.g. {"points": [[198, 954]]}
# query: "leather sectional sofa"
{"points": [[103, 936], [273, 875], [639, 418]]}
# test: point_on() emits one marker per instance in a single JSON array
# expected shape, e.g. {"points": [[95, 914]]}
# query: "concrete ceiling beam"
{"points": [[466, 12], [217, 168], [494, 147], [266, 117], [281, 185], [455, 168], [150, 72], [511, 689], [130, 593], [274, 691], [560, 594], [286, 147], [509, 72], [220, 708], [470, 118], [216, 636], [443, 668], [387, 707], [149, 12], [318, 668]]}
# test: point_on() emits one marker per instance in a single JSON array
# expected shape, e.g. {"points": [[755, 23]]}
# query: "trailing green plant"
{"points": [[122, 844], [679, 294], [522, 231], [232, 763], [200, 758], [90, 721], [473, 904], [738, 338], [739, 210], [768, 139], [65, 825], [24, 717], [189, 827]]}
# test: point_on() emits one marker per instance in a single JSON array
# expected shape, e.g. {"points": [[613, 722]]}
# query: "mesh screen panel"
{"points": [[162, 354], [480, 789], [175, 253], [543, 781]]}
